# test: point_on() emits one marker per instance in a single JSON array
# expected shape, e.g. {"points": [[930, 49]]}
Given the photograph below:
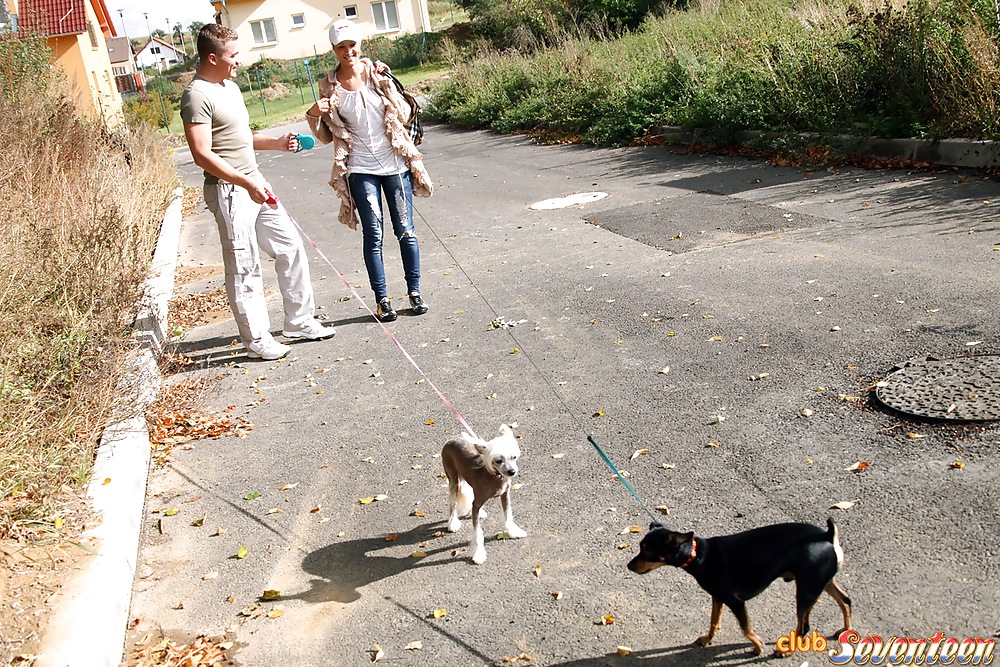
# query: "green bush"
{"points": [[147, 110], [926, 69]]}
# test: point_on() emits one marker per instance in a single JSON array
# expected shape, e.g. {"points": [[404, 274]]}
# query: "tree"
{"points": [[194, 28]]}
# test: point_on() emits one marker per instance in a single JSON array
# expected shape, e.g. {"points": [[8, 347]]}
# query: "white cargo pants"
{"points": [[246, 228]]}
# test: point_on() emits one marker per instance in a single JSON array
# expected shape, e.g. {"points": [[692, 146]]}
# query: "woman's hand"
{"points": [[322, 107]]}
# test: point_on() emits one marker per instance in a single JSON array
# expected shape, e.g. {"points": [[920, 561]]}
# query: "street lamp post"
{"points": [[163, 104]]}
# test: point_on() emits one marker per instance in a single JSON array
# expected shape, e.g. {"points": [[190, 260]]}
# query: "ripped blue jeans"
{"points": [[367, 190]]}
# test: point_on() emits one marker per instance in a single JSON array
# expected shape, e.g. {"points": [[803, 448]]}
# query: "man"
{"points": [[217, 127]]}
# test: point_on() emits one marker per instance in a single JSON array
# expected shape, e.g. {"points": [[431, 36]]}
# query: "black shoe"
{"points": [[418, 305], [384, 312]]}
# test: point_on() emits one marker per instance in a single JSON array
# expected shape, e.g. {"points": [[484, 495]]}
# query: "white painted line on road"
{"points": [[571, 200]]}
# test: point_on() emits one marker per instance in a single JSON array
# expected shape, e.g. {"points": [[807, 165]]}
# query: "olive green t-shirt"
{"points": [[222, 106]]}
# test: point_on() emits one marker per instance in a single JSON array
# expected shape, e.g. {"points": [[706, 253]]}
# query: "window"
{"points": [[385, 16], [155, 50], [263, 32], [351, 12], [93, 35], [298, 20]]}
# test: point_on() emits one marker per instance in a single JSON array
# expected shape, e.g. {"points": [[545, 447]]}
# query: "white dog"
{"points": [[482, 470]]}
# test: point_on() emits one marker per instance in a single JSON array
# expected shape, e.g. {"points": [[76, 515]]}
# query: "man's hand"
{"points": [[289, 142]]}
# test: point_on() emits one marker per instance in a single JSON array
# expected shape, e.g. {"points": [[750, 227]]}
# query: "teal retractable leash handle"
{"points": [[305, 142], [623, 480]]}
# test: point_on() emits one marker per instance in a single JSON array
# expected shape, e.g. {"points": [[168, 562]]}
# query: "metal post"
{"points": [[260, 89], [311, 86], [298, 80]]}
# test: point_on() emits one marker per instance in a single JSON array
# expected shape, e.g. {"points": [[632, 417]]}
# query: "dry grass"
{"points": [[82, 212]]}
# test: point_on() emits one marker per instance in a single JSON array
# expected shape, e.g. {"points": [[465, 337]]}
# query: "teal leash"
{"points": [[623, 480]]}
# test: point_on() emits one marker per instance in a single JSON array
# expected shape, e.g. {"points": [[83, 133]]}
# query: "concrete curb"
{"points": [[89, 625], [947, 152]]}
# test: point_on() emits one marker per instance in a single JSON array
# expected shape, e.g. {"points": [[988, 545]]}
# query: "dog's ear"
{"points": [[480, 447], [655, 525]]}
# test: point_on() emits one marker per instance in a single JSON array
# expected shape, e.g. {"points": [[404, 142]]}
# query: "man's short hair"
{"points": [[212, 38]]}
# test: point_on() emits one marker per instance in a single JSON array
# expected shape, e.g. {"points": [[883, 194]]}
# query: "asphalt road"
{"points": [[695, 312]]}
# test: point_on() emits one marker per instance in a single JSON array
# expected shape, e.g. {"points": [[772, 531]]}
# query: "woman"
{"points": [[362, 114]]}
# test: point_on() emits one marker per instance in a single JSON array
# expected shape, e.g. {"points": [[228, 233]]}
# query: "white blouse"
{"points": [[363, 111]]}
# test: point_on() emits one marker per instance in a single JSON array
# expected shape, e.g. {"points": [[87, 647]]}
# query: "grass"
{"points": [[928, 68], [83, 208]]}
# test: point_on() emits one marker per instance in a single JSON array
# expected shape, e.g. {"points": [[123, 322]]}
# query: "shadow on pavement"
{"points": [[343, 567]]}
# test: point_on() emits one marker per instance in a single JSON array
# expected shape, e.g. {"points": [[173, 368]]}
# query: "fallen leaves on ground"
{"points": [[202, 652], [607, 619], [843, 505], [857, 467], [192, 310], [173, 420]]}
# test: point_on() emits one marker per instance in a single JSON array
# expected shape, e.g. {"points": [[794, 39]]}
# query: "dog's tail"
{"points": [[833, 535], [463, 498]]}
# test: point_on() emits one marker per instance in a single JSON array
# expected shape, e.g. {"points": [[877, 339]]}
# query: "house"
{"points": [[127, 78], [159, 54], [284, 29], [76, 32]]}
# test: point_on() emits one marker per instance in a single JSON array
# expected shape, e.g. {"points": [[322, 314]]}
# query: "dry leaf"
{"points": [[286, 487], [271, 595], [637, 453], [277, 612], [957, 465], [714, 444], [275, 510], [558, 456], [315, 509], [208, 576], [624, 545], [173, 511], [392, 537], [843, 505], [414, 646], [663, 509], [367, 501], [857, 467], [806, 412], [518, 658], [418, 513], [607, 619], [418, 554], [538, 570], [242, 553], [557, 595], [915, 436], [376, 653], [623, 650], [440, 613]]}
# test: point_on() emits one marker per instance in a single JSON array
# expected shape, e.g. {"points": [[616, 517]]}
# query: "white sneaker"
{"points": [[311, 330], [268, 350]]}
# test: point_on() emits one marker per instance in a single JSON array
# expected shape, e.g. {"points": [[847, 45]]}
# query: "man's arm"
{"points": [[199, 138], [287, 143]]}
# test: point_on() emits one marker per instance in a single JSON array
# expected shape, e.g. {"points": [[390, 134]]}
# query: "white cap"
{"points": [[344, 30]]}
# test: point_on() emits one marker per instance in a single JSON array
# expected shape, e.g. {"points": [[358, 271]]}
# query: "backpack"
{"points": [[412, 124]]}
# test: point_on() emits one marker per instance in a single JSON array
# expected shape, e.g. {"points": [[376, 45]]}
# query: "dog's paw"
{"points": [[704, 640], [776, 654], [454, 525], [515, 531], [479, 556]]}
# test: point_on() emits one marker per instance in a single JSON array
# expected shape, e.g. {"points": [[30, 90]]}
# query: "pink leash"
{"points": [[354, 292]]}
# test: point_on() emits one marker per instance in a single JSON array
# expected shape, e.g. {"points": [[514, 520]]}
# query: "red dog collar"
{"points": [[694, 552]]}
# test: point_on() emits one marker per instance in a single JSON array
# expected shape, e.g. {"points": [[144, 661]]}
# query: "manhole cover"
{"points": [[966, 389], [565, 202]]}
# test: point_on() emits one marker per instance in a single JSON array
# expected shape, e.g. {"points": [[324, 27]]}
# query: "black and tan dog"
{"points": [[736, 568]]}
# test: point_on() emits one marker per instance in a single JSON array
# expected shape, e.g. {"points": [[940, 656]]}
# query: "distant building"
{"points": [[123, 67], [286, 29], [77, 32], [159, 54]]}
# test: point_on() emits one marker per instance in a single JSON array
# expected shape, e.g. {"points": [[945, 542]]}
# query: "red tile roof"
{"points": [[53, 17]]}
